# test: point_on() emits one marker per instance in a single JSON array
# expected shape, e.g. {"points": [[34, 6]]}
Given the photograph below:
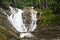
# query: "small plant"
{"points": [[5, 4]]}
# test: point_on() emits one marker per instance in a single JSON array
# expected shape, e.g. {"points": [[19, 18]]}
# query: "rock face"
{"points": [[7, 32], [27, 17]]}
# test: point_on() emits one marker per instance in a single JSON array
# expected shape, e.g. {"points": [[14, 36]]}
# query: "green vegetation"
{"points": [[49, 8], [5, 34]]}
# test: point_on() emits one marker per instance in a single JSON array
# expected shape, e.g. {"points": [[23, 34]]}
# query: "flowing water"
{"points": [[16, 19]]}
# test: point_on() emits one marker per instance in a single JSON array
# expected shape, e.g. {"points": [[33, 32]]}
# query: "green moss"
{"points": [[5, 34]]}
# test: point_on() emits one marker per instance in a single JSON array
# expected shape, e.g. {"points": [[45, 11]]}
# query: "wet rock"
{"points": [[7, 31]]}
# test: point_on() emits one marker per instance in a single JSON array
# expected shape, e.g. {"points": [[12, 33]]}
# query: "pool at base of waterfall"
{"points": [[26, 34]]}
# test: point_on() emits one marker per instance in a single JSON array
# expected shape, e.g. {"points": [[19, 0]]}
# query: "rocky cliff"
{"points": [[7, 31]]}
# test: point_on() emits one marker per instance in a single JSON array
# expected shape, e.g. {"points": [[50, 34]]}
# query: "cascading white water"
{"points": [[17, 21], [34, 20]]}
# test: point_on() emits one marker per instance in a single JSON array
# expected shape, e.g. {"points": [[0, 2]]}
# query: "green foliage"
{"points": [[48, 17], [49, 8], [5, 32], [5, 3]]}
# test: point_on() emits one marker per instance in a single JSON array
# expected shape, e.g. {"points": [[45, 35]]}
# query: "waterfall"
{"points": [[34, 20], [16, 21]]}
